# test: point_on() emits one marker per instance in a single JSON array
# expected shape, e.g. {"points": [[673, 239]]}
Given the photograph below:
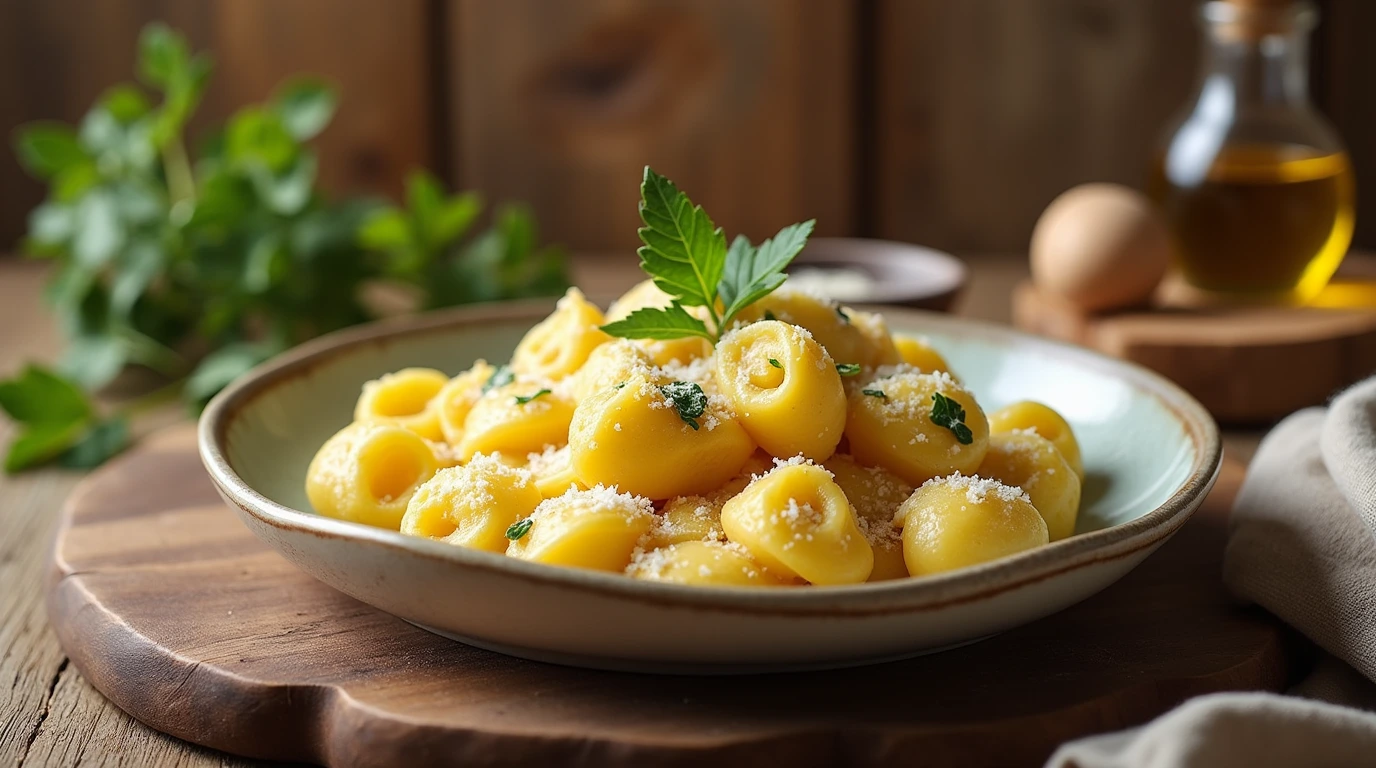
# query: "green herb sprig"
{"points": [[949, 414], [848, 369], [519, 529], [523, 399], [686, 255], [201, 264], [688, 399]]}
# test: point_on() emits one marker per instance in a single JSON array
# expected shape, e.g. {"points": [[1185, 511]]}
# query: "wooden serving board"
{"points": [[1245, 364], [171, 608]]}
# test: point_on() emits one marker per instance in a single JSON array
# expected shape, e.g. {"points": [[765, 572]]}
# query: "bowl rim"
{"points": [[928, 593]]}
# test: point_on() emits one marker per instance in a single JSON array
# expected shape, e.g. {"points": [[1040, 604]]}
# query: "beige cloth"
{"points": [[1302, 544]]}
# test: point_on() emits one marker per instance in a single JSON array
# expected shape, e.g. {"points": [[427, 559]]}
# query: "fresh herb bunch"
{"points": [[201, 267], [686, 255]]}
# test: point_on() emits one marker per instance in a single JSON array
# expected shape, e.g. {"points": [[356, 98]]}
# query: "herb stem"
{"points": [[181, 183]]}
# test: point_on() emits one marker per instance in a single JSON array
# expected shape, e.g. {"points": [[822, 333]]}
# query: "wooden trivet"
{"points": [[170, 607], [1245, 364]]}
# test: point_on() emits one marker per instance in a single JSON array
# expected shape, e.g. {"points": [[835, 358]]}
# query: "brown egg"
{"points": [[1100, 247]]}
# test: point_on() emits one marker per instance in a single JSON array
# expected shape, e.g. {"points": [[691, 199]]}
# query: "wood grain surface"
{"points": [[169, 606], [49, 714], [746, 106]]}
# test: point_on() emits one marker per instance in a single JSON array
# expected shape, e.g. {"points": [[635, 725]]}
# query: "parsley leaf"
{"points": [[522, 400], [848, 369], [769, 315], [949, 414], [874, 393], [845, 318], [688, 399], [684, 251], [499, 378], [685, 254], [672, 322], [519, 529], [775, 363], [752, 273]]}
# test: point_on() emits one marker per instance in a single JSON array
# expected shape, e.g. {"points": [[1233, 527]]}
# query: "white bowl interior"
{"points": [[1136, 452]]}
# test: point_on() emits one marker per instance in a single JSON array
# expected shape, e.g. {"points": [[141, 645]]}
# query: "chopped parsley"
{"points": [[775, 363], [520, 400], [769, 315], [874, 393], [848, 369], [519, 528], [499, 378], [688, 399], [844, 317], [948, 413]]}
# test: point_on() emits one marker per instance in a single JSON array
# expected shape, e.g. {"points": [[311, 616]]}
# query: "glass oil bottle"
{"points": [[1255, 185]]}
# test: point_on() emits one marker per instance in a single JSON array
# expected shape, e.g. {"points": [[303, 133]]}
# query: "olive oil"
{"points": [[1269, 220]]}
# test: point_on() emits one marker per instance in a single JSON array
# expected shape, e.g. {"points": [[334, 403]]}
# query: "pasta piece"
{"points": [[890, 424], [849, 335], [562, 342], [1044, 421], [406, 399], [958, 521], [1032, 463], [704, 564], [552, 471], [875, 494], [456, 399], [597, 529], [687, 518], [608, 365], [920, 355], [797, 522], [471, 506], [633, 437], [660, 352], [516, 419], [367, 472], [784, 387]]}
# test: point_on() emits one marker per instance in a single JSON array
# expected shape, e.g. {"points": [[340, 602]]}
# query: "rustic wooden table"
{"points": [[49, 715]]}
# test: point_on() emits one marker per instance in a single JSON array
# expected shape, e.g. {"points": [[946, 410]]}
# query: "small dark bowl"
{"points": [[885, 272]]}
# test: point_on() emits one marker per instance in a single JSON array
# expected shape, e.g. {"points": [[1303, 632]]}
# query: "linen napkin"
{"points": [[1302, 544]]}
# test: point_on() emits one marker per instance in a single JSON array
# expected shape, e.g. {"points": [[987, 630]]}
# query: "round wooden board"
{"points": [[170, 607], [1245, 364]]}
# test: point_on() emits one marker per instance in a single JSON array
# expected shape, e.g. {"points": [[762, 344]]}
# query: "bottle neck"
{"points": [[1258, 57]]}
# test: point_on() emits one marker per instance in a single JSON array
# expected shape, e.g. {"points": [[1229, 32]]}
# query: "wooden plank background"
{"points": [[946, 123]]}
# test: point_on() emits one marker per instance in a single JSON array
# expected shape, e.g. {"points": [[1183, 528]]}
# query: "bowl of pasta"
{"points": [[708, 475]]}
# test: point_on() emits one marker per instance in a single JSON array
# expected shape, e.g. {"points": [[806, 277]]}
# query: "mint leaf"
{"points": [[305, 106], [949, 414], [39, 396], [42, 442], [523, 399], [684, 251], [47, 149], [672, 322], [223, 366], [100, 442], [519, 529], [688, 399], [500, 377], [751, 274]]}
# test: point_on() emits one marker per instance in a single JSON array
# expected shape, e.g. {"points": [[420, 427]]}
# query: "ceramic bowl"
{"points": [[1151, 453]]}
